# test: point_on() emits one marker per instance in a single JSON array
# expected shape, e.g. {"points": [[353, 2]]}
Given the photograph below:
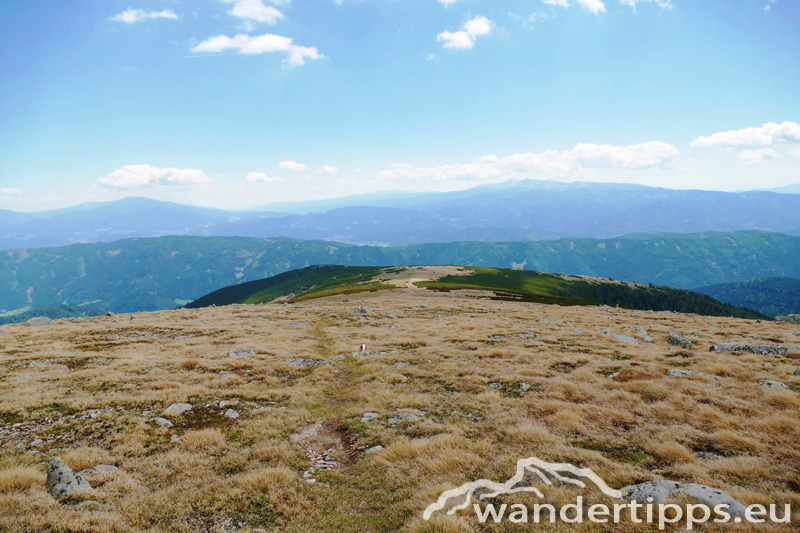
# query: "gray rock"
{"points": [[362, 353], [374, 449], [640, 330], [297, 324], [661, 491], [677, 339], [230, 413], [110, 313], [362, 310], [772, 384], [760, 349], [399, 365], [402, 417], [62, 482], [791, 319], [494, 386], [605, 331], [394, 326], [39, 321], [624, 338], [579, 331], [300, 362], [678, 373], [336, 358], [525, 387], [226, 403], [544, 319], [174, 438], [177, 409], [161, 422], [697, 335], [613, 375], [707, 456], [647, 338], [239, 352], [368, 418]]}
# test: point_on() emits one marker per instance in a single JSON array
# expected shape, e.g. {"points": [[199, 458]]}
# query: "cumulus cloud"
{"points": [[9, 190], [552, 162], [254, 10], [132, 16], [766, 135], [464, 39], [595, 6], [291, 165], [666, 4], [254, 177], [328, 169], [295, 55], [137, 176], [758, 155]]}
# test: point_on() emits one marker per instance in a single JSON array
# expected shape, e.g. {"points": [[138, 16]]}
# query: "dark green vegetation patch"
{"points": [[771, 296]]}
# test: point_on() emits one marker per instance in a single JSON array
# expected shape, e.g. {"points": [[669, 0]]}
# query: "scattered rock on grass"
{"points": [[62, 482], [677, 339], [760, 349], [661, 491], [161, 422], [494, 386], [300, 362], [402, 417], [678, 373], [624, 338], [230, 413], [177, 409], [239, 352], [374, 449], [773, 384], [368, 418], [38, 321]]}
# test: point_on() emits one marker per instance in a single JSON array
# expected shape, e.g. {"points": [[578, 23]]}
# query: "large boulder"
{"points": [[177, 409], [677, 339], [62, 482], [761, 349], [39, 321], [663, 490]]}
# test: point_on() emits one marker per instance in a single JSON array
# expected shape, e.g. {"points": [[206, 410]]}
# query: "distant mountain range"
{"points": [[510, 211], [771, 296], [161, 273], [324, 281]]}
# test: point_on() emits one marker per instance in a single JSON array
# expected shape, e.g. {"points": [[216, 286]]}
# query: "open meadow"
{"points": [[460, 386]]}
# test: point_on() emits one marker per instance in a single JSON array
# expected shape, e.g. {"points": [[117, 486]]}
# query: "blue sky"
{"points": [[236, 103]]}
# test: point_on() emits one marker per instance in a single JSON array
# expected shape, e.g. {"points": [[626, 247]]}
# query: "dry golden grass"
{"points": [[88, 390]]}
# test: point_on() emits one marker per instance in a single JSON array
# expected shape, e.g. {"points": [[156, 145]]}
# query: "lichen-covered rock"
{"points": [[661, 491], [676, 338], [368, 418], [773, 384], [624, 338], [230, 413], [161, 422], [791, 319], [402, 417], [300, 362], [62, 482], [177, 409], [678, 373], [39, 321], [239, 352], [760, 349]]}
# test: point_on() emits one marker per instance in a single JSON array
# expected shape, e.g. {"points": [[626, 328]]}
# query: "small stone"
{"points": [[297, 324], [374, 449], [230, 413], [177, 409], [647, 338], [579, 331], [311, 480], [226, 403], [640, 330], [394, 326], [624, 338], [678, 373], [402, 417], [773, 384], [494, 386], [525, 387], [336, 358], [37, 442], [605, 331], [239, 352], [300, 362], [368, 418], [401, 365], [161, 422], [174, 438]]}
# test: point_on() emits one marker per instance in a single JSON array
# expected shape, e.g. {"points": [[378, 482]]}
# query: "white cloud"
{"points": [[245, 44], [448, 2], [795, 152], [766, 135], [595, 6], [666, 4], [132, 16], [465, 39], [328, 169], [432, 57], [260, 176], [758, 155], [254, 10], [291, 165], [552, 162], [9, 190], [136, 176]]}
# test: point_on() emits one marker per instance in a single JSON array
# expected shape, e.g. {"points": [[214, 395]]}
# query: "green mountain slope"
{"points": [[160, 273], [771, 296], [51, 311], [520, 285]]}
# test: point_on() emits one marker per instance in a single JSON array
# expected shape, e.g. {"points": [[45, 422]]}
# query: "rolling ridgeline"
{"points": [[161, 273]]}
